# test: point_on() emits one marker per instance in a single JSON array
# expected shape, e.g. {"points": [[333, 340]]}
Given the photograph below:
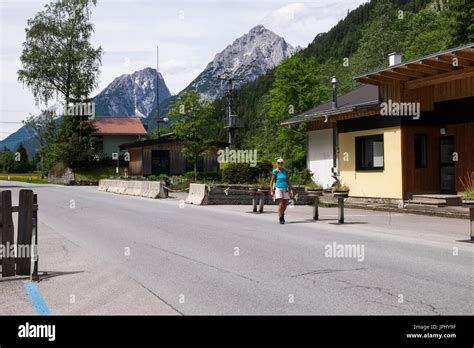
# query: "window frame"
{"points": [[360, 146]]}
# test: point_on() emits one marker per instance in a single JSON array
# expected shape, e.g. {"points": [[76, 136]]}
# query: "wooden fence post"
{"points": [[35, 219], [25, 231], [7, 232]]}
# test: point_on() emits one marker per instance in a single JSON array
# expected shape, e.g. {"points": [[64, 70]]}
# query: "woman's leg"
{"points": [[283, 207], [281, 211]]}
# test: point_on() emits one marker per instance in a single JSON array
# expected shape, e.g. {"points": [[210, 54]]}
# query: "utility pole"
{"points": [[231, 120], [158, 119], [158, 89]]}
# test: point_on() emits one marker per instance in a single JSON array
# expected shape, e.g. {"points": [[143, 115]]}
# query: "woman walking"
{"points": [[280, 188]]}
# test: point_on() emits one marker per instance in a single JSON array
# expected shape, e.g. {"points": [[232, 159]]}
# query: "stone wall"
{"points": [[65, 178], [240, 194]]}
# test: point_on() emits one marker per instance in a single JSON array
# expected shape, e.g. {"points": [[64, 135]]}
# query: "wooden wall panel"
{"points": [[464, 145], [135, 164], [427, 96], [421, 180], [146, 165], [427, 180], [140, 163]]}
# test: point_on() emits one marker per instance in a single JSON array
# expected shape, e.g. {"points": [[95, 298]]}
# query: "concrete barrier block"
{"points": [[150, 189], [198, 194]]}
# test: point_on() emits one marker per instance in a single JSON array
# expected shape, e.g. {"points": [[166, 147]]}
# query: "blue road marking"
{"points": [[36, 298]]}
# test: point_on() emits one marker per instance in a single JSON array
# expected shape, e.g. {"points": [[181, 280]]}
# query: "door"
{"points": [[160, 162], [447, 165]]}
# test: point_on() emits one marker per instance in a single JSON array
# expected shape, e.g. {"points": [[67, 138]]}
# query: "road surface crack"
{"points": [[158, 297], [387, 292], [200, 262], [325, 271]]}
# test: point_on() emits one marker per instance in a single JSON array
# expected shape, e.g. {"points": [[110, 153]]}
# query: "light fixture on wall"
{"points": [[442, 131]]}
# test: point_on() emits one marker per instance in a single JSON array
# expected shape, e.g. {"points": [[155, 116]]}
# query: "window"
{"points": [[420, 151], [369, 153]]}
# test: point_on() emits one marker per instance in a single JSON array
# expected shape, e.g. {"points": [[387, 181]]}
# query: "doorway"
{"points": [[447, 165], [160, 162]]}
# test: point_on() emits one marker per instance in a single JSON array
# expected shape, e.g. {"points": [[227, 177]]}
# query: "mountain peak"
{"points": [[132, 94], [248, 57], [258, 29]]}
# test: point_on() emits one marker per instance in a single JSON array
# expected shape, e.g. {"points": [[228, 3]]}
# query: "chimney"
{"points": [[394, 58], [334, 92]]}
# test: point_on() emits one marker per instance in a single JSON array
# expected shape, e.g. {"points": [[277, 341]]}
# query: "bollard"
{"points": [[261, 202], [471, 213], [316, 208], [253, 193], [340, 203]]}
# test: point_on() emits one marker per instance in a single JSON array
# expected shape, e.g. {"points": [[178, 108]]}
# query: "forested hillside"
{"points": [[359, 43]]}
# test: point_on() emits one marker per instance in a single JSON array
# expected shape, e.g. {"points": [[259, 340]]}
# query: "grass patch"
{"points": [[34, 178], [96, 173], [468, 185]]}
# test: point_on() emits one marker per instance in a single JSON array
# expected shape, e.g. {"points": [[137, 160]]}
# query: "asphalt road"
{"points": [[113, 254]]}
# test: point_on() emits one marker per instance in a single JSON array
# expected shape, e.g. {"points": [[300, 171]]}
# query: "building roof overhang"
{"points": [[435, 68], [361, 99], [164, 139]]}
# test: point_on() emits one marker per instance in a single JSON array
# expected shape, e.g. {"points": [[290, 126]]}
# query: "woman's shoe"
{"points": [[282, 220]]}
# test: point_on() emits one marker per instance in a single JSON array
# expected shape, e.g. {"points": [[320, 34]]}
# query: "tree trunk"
{"points": [[195, 171]]}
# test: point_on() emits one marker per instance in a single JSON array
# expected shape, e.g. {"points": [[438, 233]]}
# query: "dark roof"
{"points": [[164, 139], [359, 98]]}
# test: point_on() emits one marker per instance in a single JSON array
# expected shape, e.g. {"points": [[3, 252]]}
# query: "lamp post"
{"points": [[163, 120]]}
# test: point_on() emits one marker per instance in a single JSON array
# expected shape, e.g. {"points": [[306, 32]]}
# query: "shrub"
{"points": [[301, 177], [209, 176], [242, 173], [314, 186]]}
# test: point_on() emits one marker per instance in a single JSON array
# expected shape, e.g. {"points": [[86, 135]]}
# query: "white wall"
{"points": [[320, 156], [112, 142]]}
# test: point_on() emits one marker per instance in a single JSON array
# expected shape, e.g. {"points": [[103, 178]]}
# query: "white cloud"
{"points": [[300, 22], [189, 34]]}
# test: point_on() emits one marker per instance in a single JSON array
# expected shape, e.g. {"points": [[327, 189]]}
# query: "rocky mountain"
{"points": [[131, 94], [248, 57], [127, 95]]}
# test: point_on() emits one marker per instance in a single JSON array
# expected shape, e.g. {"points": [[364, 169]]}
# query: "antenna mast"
{"points": [[231, 120]]}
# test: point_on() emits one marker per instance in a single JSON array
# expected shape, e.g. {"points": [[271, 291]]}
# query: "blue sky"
{"points": [[189, 35]]}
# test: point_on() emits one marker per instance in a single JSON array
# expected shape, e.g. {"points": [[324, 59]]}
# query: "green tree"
{"points": [[192, 127], [432, 38], [22, 163], [7, 160], [299, 85], [59, 61], [43, 128], [462, 24]]}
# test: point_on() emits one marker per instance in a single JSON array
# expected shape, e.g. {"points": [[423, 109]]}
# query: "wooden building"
{"points": [[164, 156], [413, 135]]}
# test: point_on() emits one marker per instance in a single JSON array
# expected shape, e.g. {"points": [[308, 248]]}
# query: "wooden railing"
{"points": [[16, 257]]}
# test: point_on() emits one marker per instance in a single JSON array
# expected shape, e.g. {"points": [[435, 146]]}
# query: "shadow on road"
{"points": [[349, 223], [466, 241], [47, 275]]}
